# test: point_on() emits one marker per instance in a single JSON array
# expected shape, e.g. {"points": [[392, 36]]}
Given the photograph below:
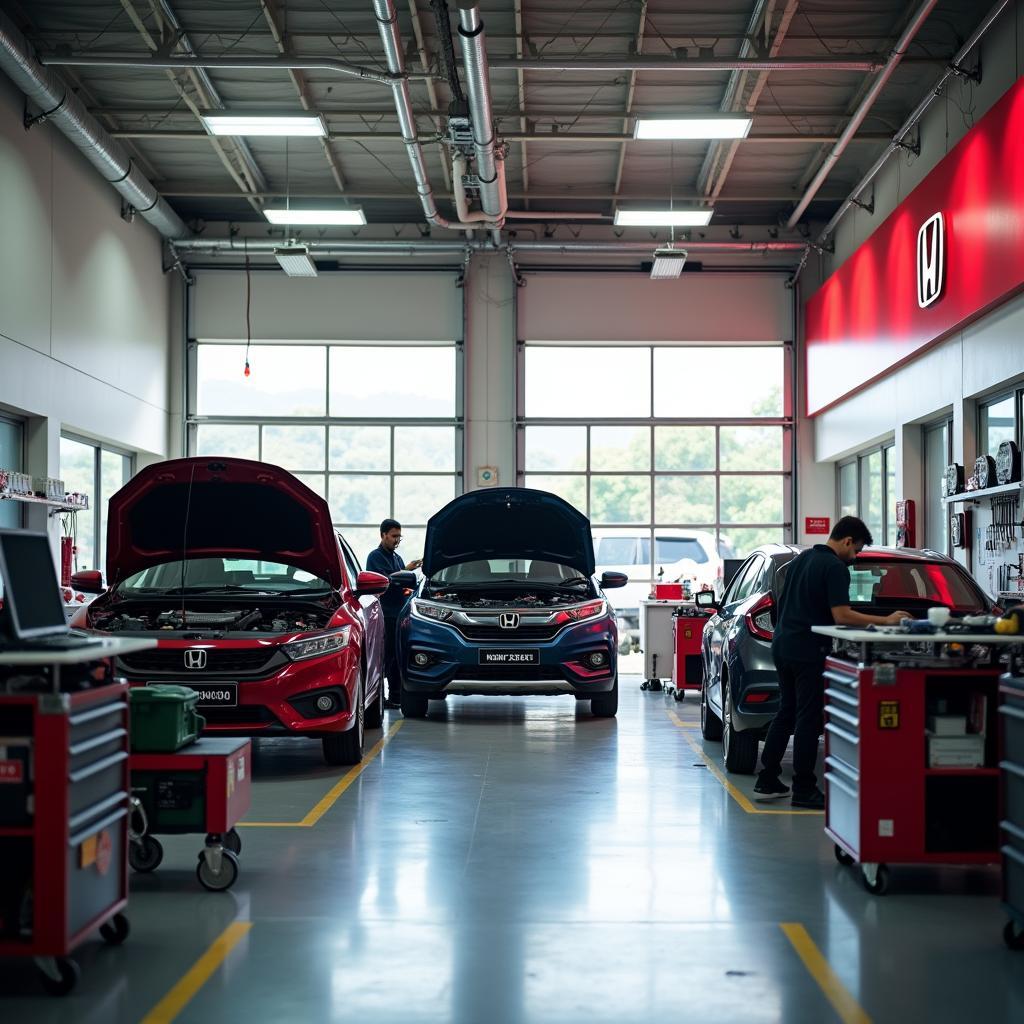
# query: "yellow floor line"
{"points": [[741, 798], [679, 722], [849, 1010], [197, 975], [332, 795]]}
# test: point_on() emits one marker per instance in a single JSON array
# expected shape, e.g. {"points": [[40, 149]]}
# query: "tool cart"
{"points": [[656, 639], [63, 805], [912, 749], [1011, 713], [688, 623]]}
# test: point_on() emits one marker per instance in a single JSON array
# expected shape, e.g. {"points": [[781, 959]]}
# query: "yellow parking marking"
{"points": [[848, 1009], [197, 975], [332, 795], [679, 722], [741, 798]]}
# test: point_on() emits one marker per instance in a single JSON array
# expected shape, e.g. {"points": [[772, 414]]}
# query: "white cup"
{"points": [[938, 617]]}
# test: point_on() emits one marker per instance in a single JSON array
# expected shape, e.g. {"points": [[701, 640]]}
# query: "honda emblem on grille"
{"points": [[195, 658], [931, 260], [508, 620]]}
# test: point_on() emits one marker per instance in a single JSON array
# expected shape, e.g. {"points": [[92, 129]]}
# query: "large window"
{"points": [[866, 487], [11, 457], [374, 429], [932, 533], [673, 439], [98, 471], [997, 423]]}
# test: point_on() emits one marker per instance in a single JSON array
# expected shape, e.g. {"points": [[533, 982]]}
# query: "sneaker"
{"points": [[813, 801], [770, 787]]}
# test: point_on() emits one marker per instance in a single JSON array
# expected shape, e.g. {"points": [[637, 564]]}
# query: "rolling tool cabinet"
{"points": [[687, 660], [1011, 714], [656, 640], [899, 788]]}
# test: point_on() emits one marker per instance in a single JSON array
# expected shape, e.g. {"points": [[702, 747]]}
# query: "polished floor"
{"points": [[514, 860]]}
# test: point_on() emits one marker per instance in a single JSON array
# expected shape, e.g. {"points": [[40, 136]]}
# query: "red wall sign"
{"points": [[817, 524], [920, 277]]}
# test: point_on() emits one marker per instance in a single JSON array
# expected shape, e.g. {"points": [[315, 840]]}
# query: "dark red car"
{"points": [[257, 603]]}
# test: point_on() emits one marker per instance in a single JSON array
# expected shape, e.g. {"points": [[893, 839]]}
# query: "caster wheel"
{"points": [[233, 841], [145, 855], [221, 880], [58, 975], [679, 695], [116, 930], [645, 685], [1013, 937], [875, 878], [842, 856], [655, 684]]}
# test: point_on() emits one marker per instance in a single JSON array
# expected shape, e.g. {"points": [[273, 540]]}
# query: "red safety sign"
{"points": [[817, 524], [12, 771]]}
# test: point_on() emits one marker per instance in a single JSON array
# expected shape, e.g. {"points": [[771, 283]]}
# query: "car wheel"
{"points": [[347, 747], [710, 723], [606, 705], [375, 712], [740, 747]]}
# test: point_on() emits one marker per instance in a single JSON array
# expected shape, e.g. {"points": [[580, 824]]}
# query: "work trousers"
{"points": [[801, 715], [391, 659]]}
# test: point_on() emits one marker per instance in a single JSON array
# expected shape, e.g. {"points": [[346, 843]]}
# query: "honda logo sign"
{"points": [[931, 260], [195, 658], [508, 620]]}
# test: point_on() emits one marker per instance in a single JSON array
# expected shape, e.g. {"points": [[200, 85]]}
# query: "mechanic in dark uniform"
{"points": [[816, 593], [386, 560]]}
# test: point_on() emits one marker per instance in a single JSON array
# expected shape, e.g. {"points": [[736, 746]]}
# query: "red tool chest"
{"points": [[687, 661]]}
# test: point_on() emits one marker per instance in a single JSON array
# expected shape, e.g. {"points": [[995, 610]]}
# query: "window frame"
{"points": [[17, 507], [1017, 396], [928, 484], [887, 449]]}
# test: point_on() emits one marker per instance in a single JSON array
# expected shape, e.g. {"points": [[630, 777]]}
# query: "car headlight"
{"points": [[315, 647], [590, 610], [429, 610]]}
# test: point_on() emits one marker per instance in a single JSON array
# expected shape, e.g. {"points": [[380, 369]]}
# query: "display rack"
{"points": [[987, 492], [57, 507]]}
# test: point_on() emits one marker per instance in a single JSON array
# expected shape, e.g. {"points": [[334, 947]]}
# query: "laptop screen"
{"points": [[31, 594]]}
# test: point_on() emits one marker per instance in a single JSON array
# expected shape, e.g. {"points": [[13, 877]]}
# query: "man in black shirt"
{"points": [[386, 560], [816, 593]]}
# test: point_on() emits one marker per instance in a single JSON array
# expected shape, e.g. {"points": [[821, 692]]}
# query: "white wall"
{"points": [[84, 328]]}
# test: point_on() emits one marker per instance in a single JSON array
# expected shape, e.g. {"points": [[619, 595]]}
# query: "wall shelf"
{"points": [[988, 492], [52, 503]]}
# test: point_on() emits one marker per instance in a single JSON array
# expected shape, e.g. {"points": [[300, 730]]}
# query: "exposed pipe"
{"points": [[687, 64], [913, 27], [462, 202], [61, 106]]}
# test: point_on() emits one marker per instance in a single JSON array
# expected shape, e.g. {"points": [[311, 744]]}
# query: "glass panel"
{"points": [[315, 481], [751, 448], [684, 499], [623, 550], [684, 448], [556, 448], [620, 448], [751, 499], [427, 449], [572, 488], [871, 494], [392, 380], [743, 541], [239, 441], [295, 447], [115, 470], [587, 381], [417, 498], [11, 458], [848, 489], [78, 471], [935, 462], [890, 496], [360, 448], [751, 381], [363, 539], [359, 499], [286, 380], [620, 499], [997, 424]]}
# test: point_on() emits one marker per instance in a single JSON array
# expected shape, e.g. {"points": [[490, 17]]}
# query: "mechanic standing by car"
{"points": [[816, 593], [386, 560]]}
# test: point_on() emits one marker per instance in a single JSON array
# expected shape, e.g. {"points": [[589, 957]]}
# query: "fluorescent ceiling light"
{"points": [[295, 261], [668, 263], [258, 124], [691, 128], [662, 218], [283, 216]]}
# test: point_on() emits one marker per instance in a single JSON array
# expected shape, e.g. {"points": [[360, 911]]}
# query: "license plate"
{"points": [[500, 656], [214, 695]]}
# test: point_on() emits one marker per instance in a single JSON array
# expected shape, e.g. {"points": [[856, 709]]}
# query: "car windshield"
{"points": [[531, 571], [219, 575], [896, 584]]}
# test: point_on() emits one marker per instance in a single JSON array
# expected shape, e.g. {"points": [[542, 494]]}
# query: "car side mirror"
{"points": [[706, 599], [613, 580], [370, 584], [88, 581], [405, 579]]}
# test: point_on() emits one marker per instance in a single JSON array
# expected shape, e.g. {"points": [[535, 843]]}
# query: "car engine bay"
{"points": [[508, 598], [160, 619]]}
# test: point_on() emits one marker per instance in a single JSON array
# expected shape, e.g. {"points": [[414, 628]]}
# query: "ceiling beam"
{"points": [[435, 105], [630, 94]]}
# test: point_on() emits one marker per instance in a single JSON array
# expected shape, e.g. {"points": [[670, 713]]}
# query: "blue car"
{"points": [[508, 605]]}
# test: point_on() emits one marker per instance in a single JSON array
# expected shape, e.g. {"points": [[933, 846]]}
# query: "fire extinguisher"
{"points": [[905, 532], [67, 550]]}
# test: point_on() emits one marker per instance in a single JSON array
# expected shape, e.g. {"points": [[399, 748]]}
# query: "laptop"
{"points": [[33, 612]]}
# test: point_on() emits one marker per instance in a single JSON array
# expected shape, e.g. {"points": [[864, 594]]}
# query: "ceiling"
{"points": [[552, 119]]}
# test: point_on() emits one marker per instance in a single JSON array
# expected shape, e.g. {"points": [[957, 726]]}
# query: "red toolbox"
{"points": [[687, 660]]}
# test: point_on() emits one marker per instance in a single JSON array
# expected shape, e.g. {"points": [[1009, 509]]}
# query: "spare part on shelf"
{"points": [[1007, 462], [960, 529], [985, 471], [954, 479]]}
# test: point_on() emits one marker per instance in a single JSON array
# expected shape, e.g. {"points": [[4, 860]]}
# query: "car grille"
{"points": [[529, 673], [246, 714], [495, 634], [246, 661]]}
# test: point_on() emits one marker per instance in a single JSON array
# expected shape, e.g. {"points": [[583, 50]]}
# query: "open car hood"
{"points": [[508, 522], [210, 506]]}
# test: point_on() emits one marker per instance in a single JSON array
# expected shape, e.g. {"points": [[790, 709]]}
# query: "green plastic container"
{"points": [[164, 718]]}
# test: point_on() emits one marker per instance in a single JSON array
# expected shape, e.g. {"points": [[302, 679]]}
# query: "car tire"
{"points": [[346, 748], [375, 712], [606, 705], [710, 723], [414, 705], [740, 747]]}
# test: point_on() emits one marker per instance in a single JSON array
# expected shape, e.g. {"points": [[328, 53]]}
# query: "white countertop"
{"points": [[109, 647], [892, 635]]}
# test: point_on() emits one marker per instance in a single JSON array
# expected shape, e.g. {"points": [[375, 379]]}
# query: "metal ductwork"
{"points": [[61, 106]]}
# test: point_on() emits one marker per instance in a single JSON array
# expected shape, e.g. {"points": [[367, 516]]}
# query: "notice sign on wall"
{"points": [[817, 524]]}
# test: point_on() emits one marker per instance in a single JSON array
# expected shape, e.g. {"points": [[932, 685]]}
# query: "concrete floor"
{"points": [[514, 860]]}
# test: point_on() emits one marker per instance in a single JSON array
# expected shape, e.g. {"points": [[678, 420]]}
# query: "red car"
{"points": [[257, 603]]}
